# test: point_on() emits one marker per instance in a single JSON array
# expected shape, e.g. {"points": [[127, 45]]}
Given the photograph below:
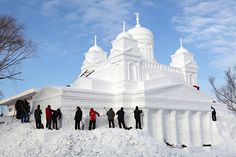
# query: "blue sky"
{"points": [[63, 31]]}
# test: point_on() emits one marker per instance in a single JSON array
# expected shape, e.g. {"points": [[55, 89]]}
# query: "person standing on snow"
{"points": [[18, 108], [37, 116], [49, 112], [27, 110], [121, 115], [92, 122], [55, 115], [137, 118], [23, 112], [213, 114], [110, 116], [78, 118]]}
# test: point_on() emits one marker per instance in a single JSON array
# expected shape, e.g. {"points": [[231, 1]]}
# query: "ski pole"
{"points": [[82, 125], [105, 108]]}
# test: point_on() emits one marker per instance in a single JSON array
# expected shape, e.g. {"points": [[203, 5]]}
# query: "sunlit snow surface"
{"points": [[23, 140]]}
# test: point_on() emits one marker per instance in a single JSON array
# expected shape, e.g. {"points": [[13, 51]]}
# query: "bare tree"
{"points": [[14, 47], [227, 93]]}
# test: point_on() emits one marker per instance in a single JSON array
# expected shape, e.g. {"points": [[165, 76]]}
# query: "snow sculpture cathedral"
{"points": [[130, 76]]}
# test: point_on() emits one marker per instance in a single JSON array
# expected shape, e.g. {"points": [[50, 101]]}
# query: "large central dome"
{"points": [[144, 38], [139, 30]]}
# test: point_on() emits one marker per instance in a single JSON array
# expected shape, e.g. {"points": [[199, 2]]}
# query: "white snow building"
{"points": [[173, 108]]}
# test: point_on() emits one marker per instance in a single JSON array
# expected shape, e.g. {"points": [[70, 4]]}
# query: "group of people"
{"points": [[52, 116], [110, 116], [22, 110]]}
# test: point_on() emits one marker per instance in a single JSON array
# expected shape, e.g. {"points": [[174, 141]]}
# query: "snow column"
{"points": [[174, 138], [146, 119], [185, 129], [188, 128], [160, 126], [166, 126], [206, 127], [196, 129]]}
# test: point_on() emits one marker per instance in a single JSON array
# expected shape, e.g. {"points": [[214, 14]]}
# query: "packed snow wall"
{"points": [[177, 121]]}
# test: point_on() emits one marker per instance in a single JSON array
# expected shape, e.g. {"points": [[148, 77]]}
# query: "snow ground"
{"points": [[23, 140]]}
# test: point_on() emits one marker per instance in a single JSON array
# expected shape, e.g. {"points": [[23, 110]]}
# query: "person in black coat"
{"points": [[18, 109], [110, 116], [121, 115], [55, 115], [27, 110], [213, 114], [24, 114], [137, 117], [78, 118], [37, 116]]}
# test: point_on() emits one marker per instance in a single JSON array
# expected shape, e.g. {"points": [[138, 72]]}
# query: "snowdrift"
{"points": [[23, 140]]}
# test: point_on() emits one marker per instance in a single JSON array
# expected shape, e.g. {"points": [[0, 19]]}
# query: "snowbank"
{"points": [[23, 140]]}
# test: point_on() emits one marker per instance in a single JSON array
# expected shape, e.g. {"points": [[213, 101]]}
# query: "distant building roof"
{"points": [[22, 95]]}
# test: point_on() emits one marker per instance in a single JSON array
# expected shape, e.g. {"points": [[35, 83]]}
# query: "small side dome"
{"points": [[182, 50], [94, 56], [124, 34], [95, 48]]}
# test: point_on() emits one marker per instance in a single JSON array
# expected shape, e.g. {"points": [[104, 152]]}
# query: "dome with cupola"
{"points": [[95, 48], [124, 34], [138, 30], [182, 50], [144, 38], [95, 55]]}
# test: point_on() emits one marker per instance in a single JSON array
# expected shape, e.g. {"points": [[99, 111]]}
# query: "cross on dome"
{"points": [[123, 26], [137, 19], [95, 40], [95, 47], [181, 42]]}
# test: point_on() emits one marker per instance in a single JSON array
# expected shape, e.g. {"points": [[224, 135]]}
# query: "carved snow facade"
{"points": [[130, 76]]}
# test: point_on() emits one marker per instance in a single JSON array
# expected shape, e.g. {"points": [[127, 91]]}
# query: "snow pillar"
{"points": [[174, 128], [202, 136], [216, 131], [166, 125], [196, 129], [160, 126], [146, 119], [182, 127], [207, 127], [188, 128]]}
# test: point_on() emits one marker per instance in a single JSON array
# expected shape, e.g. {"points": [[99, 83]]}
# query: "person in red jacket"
{"points": [[92, 122], [48, 111]]}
